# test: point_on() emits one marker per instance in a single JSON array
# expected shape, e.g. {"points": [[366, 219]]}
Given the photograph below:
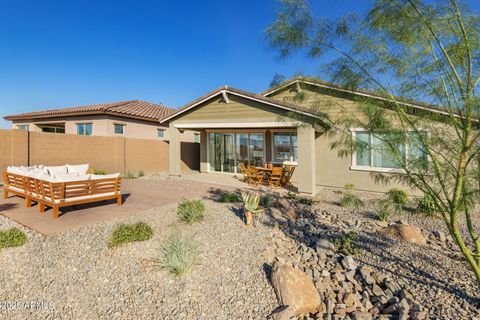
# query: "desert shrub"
{"points": [[306, 201], [291, 196], [267, 200], [130, 175], [191, 211], [177, 254], [141, 173], [100, 172], [349, 200], [13, 237], [124, 233], [427, 205], [397, 196], [228, 197], [386, 208], [345, 244]]}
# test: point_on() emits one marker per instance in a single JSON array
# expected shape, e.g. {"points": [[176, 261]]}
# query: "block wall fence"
{"points": [[111, 154]]}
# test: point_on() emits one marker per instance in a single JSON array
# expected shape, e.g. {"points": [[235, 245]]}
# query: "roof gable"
{"points": [[224, 93]]}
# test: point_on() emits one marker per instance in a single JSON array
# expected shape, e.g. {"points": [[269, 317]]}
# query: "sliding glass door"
{"points": [[221, 152], [227, 150]]}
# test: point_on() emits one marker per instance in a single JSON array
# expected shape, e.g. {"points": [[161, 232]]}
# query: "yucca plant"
{"points": [[251, 202]]}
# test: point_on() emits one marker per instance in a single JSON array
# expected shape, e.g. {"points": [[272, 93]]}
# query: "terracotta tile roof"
{"points": [[248, 95], [135, 109]]}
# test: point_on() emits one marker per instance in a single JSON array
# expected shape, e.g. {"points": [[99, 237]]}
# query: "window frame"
{"points": [[164, 133], [292, 146], [123, 125], [371, 168], [84, 124], [24, 127]]}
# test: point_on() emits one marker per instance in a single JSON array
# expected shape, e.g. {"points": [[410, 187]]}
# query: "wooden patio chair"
{"points": [[287, 175], [275, 177], [244, 171], [255, 175]]}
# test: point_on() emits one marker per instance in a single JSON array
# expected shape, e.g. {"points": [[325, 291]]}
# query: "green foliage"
{"points": [[345, 244], [387, 208], [125, 233], [291, 196], [306, 201], [228, 197], [178, 254], [251, 202], [349, 186], [350, 200], [100, 172], [141, 173], [397, 196], [13, 237], [130, 175], [267, 200], [191, 211], [427, 205]]}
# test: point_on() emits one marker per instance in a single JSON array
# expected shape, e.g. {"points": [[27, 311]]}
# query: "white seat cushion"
{"points": [[93, 196], [80, 168]]}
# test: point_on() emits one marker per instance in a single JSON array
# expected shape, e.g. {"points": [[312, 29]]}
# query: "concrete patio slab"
{"points": [[138, 194]]}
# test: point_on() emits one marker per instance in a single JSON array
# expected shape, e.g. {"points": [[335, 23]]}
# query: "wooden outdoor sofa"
{"points": [[61, 194]]}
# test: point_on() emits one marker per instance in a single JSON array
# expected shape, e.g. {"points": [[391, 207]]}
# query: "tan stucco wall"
{"points": [[112, 154], [103, 125]]}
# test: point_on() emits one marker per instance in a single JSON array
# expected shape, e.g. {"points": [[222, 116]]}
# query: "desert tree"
{"points": [[419, 51]]}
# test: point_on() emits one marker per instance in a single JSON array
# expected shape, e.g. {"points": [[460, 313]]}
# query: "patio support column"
{"points": [[174, 155], [306, 159], [203, 151]]}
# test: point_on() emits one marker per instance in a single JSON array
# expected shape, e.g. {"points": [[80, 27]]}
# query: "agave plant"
{"points": [[250, 205]]}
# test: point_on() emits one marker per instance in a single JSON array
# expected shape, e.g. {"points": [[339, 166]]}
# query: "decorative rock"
{"points": [[295, 290], [440, 236], [360, 315], [404, 232], [348, 263], [325, 246], [287, 208]]}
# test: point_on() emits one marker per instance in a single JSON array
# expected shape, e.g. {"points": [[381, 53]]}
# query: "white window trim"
{"points": [[356, 167], [164, 133], [124, 125], [272, 146], [83, 122]]}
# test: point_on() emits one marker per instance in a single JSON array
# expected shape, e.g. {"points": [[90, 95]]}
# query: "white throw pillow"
{"points": [[57, 169], [27, 169], [104, 176], [65, 175], [45, 177], [14, 170], [71, 177], [80, 168]]}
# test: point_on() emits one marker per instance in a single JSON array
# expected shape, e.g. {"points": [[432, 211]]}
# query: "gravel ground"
{"points": [[81, 276], [436, 274], [84, 279]]}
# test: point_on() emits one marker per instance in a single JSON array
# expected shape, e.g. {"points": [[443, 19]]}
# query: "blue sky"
{"points": [[64, 53]]}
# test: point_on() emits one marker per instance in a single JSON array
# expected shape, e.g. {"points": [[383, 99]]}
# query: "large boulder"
{"points": [[295, 290], [405, 232]]}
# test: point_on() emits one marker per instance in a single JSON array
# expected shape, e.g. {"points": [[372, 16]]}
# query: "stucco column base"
{"points": [[174, 155], [307, 174]]}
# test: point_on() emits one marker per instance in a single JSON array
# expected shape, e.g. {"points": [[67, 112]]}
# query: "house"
{"points": [[131, 119], [238, 126]]}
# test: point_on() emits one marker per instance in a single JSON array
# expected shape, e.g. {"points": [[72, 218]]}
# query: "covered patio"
{"points": [[238, 127]]}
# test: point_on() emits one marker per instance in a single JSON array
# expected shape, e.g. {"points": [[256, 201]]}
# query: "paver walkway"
{"points": [[139, 195]]}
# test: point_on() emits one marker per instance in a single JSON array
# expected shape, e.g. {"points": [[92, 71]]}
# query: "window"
{"points": [[118, 128], [161, 133], [84, 129], [53, 129], [285, 146], [196, 137], [23, 127], [373, 151]]}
